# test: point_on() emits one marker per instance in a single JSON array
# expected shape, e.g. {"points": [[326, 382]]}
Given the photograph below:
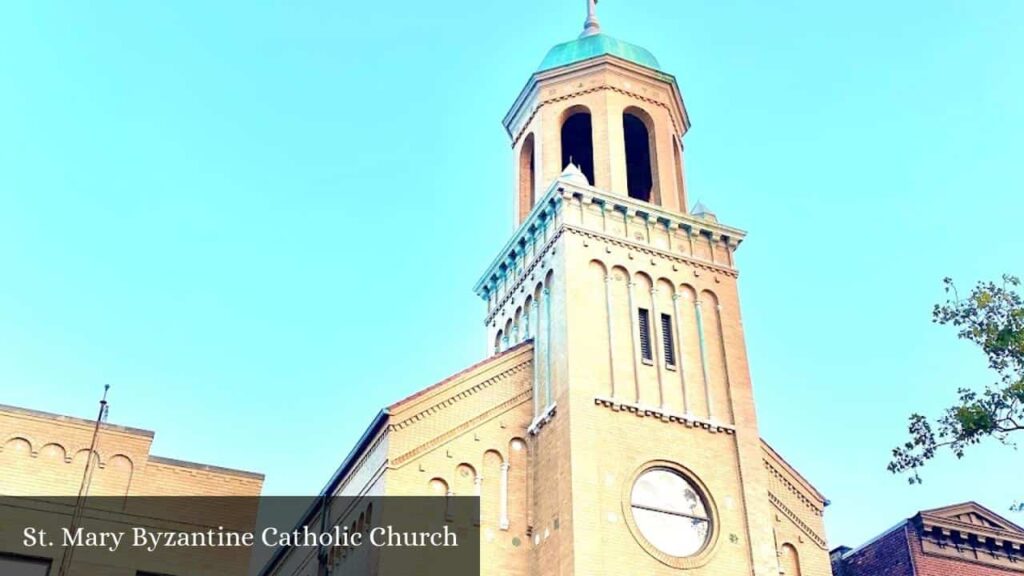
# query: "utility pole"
{"points": [[83, 489]]}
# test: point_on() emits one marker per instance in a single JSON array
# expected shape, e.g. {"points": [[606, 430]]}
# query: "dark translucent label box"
{"points": [[199, 536]]}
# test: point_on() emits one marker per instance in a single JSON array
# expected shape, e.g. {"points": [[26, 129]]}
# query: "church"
{"points": [[613, 429]]}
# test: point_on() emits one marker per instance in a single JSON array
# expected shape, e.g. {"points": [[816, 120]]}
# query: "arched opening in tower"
{"points": [[639, 179], [578, 143], [527, 177]]}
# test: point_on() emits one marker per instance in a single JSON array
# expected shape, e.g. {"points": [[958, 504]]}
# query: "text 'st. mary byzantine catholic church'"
{"points": [[613, 430]]}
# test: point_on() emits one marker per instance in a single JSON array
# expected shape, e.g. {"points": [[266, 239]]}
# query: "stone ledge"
{"points": [[689, 420]]}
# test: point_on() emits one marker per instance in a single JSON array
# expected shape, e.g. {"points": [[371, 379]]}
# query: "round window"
{"points": [[670, 512]]}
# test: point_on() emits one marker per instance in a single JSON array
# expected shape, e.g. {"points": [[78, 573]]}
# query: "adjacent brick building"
{"points": [[961, 540], [43, 454], [613, 430], [42, 464]]}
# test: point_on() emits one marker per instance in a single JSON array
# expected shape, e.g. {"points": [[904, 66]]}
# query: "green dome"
{"points": [[593, 46]]}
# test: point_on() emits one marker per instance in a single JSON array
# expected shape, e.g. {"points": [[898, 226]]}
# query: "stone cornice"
{"points": [[666, 416], [542, 420], [949, 537], [521, 397], [652, 212], [951, 526], [652, 251], [814, 507], [527, 273], [452, 399], [795, 519], [514, 123], [774, 460], [520, 128], [547, 220]]}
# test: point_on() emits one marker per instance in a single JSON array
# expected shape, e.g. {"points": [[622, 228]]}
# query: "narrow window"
{"points": [[527, 177], [666, 340], [639, 177], [645, 335], [578, 143]]}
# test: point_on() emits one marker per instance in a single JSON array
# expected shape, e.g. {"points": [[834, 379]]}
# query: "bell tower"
{"points": [[644, 444], [605, 106]]}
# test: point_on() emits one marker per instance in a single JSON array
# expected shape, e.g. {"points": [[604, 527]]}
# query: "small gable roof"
{"points": [[968, 515]]}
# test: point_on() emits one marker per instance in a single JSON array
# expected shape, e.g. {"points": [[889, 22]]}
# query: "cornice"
{"points": [[795, 519], [793, 489], [548, 215], [527, 274], [688, 420], [455, 398], [542, 419], [521, 128], [950, 526], [50, 418], [651, 251], [539, 218], [653, 212], [521, 397], [681, 125], [363, 457]]}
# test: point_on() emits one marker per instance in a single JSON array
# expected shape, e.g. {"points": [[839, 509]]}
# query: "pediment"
{"points": [[970, 532], [971, 514]]}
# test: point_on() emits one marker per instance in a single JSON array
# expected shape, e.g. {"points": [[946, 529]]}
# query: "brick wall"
{"points": [[45, 454], [931, 565], [887, 555]]}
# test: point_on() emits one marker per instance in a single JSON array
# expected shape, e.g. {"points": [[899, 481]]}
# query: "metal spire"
{"points": [[591, 26]]}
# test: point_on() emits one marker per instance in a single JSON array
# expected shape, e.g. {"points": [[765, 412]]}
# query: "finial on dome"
{"points": [[591, 26]]}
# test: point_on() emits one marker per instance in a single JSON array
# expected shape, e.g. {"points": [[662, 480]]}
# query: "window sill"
{"points": [[647, 362], [671, 367]]}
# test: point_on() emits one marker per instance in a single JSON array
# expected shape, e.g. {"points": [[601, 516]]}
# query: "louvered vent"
{"points": [[666, 340], [645, 335]]}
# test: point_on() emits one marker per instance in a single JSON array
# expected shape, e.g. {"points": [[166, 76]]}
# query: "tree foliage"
{"points": [[992, 317]]}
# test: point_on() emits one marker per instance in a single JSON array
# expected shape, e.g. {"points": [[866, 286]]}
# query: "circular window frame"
{"points": [[704, 554]]}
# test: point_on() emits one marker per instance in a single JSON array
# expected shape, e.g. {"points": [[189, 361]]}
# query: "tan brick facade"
{"points": [[618, 344], [45, 454], [43, 458]]}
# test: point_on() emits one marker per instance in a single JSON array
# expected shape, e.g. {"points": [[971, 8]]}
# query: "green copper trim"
{"points": [[593, 46], [703, 357]]}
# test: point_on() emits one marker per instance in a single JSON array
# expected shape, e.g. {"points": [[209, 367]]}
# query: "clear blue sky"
{"points": [[261, 221]]}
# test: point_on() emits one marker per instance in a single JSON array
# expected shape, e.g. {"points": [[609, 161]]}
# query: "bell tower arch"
{"points": [[607, 107]]}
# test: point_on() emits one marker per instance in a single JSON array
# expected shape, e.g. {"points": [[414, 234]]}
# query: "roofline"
{"points": [[539, 75], [206, 467], [917, 517], [852, 551], [75, 420], [933, 511], [542, 203], [799, 477], [508, 352], [563, 187], [60, 418], [346, 465]]}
